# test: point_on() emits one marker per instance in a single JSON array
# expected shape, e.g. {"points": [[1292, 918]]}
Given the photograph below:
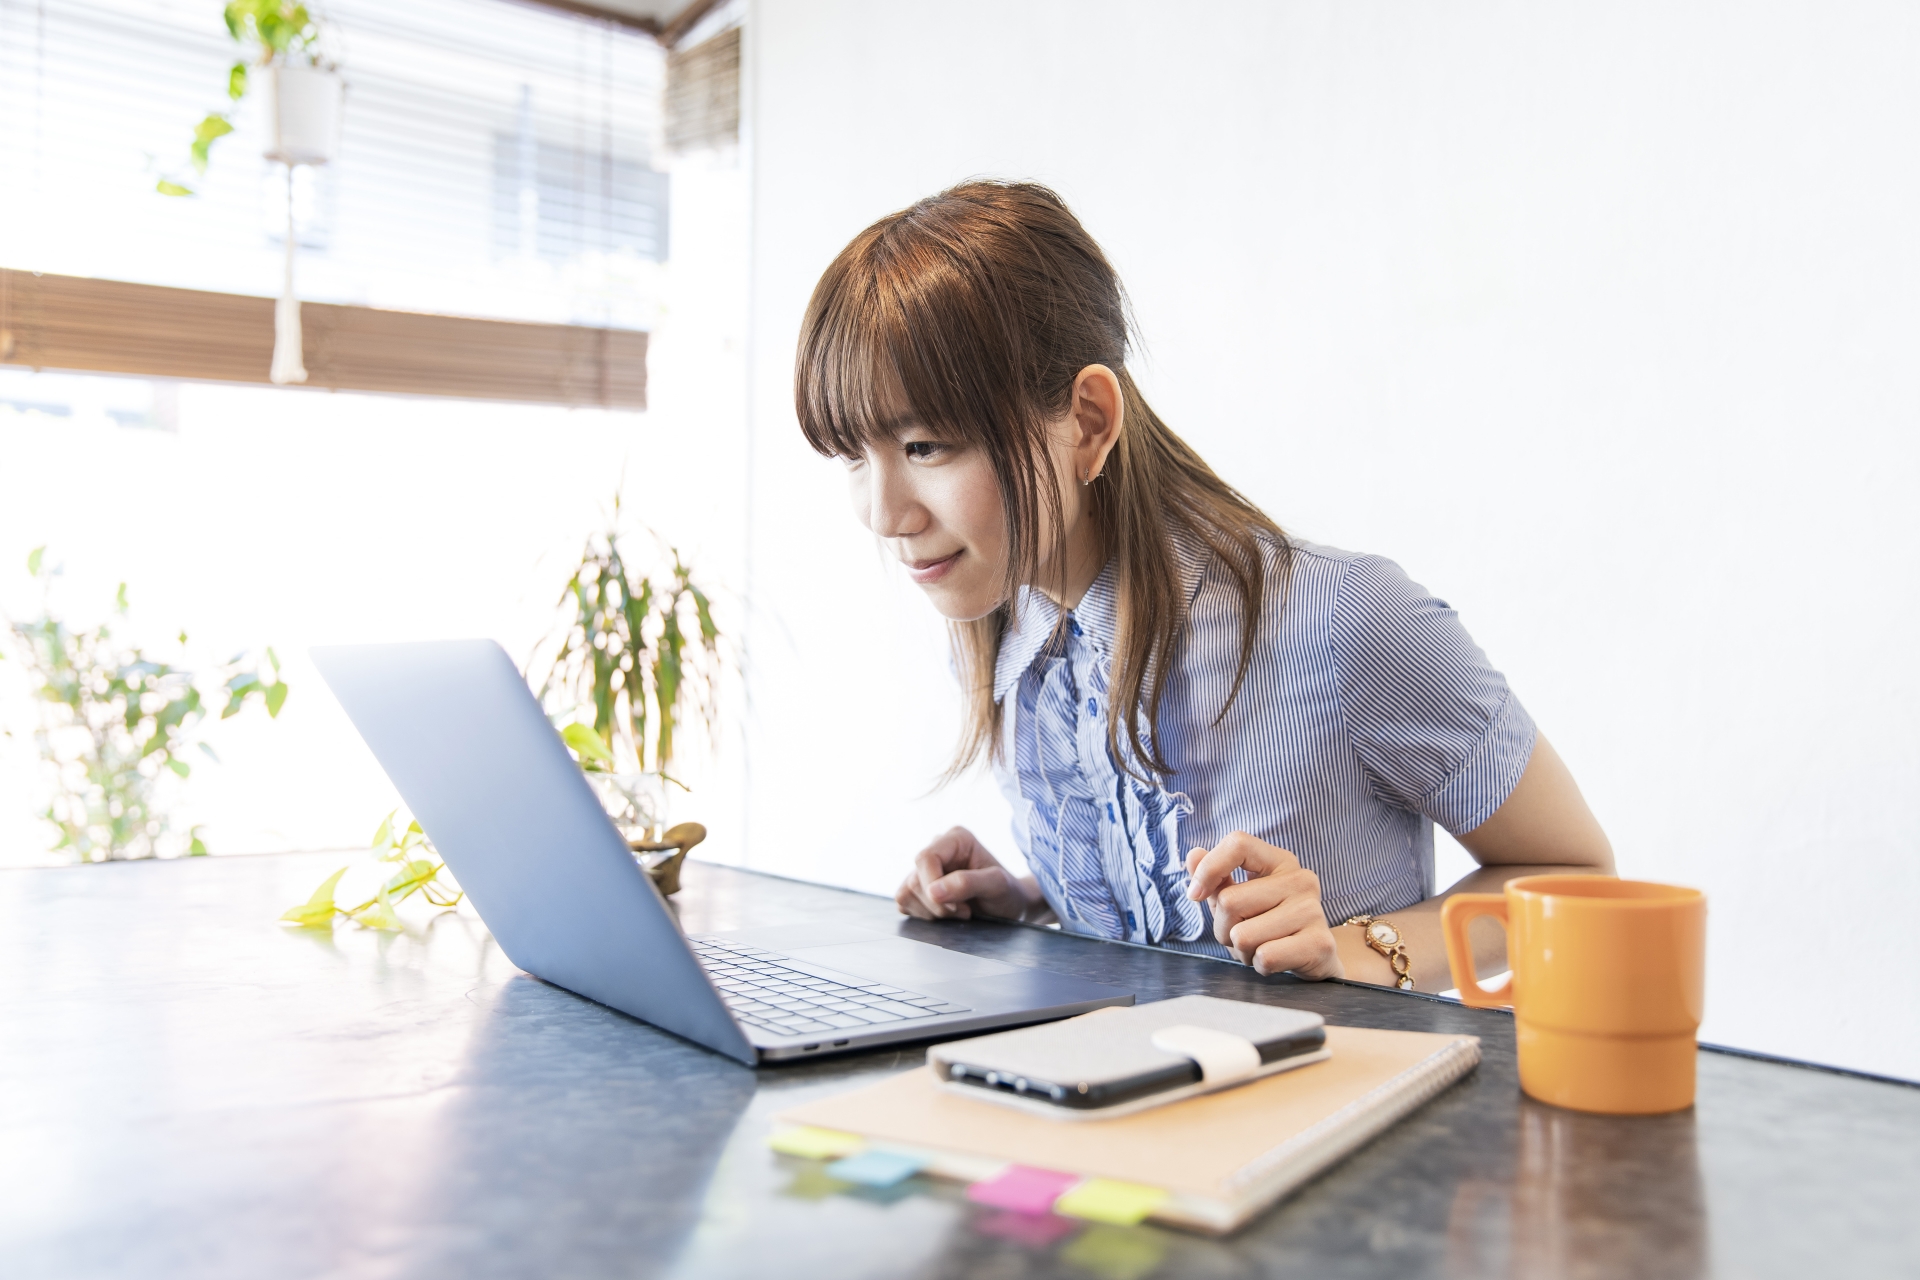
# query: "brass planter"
{"points": [[673, 843]]}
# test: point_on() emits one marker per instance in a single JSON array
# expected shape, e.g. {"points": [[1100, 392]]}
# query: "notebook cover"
{"points": [[1222, 1156]]}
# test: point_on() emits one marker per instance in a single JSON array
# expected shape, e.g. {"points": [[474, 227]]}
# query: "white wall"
{"points": [[1600, 318]]}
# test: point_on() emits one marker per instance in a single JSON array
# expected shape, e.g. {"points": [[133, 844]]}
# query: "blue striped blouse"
{"points": [[1367, 715]]}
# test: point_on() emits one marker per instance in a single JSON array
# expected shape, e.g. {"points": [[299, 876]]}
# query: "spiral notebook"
{"points": [[1220, 1158]]}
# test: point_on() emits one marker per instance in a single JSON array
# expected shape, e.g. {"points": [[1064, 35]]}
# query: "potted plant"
{"points": [[280, 45], [118, 724], [643, 653], [640, 653]]}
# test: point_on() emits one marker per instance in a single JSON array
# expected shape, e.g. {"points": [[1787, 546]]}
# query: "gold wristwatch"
{"points": [[1384, 938]]}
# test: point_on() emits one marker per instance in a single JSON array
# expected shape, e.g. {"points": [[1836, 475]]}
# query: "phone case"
{"points": [[1118, 1061]]}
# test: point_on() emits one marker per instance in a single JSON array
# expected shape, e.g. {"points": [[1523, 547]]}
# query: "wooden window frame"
{"points": [[110, 326]]}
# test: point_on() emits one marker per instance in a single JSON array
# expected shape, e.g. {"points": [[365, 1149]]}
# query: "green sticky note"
{"points": [[810, 1143], [1104, 1200]]}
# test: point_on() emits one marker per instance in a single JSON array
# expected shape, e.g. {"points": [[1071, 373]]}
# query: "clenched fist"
{"points": [[955, 878]]}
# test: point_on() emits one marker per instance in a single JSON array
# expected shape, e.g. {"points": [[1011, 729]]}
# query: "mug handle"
{"points": [[1455, 913]]}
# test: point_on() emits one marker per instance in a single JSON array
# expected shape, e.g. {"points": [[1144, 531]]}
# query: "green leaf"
{"points": [[211, 127], [34, 557], [208, 752], [237, 81], [120, 599], [411, 877], [377, 914], [709, 634], [166, 188], [274, 658], [196, 847], [276, 698], [318, 909], [666, 686], [586, 744], [384, 834], [204, 133], [180, 767]]}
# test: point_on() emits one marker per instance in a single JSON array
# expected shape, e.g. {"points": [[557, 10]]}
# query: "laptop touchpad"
{"points": [[899, 960]]}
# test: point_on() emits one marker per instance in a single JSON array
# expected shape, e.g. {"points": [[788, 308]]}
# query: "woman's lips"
{"points": [[928, 572]]}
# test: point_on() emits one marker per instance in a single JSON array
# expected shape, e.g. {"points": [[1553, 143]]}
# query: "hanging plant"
{"points": [[282, 41]]}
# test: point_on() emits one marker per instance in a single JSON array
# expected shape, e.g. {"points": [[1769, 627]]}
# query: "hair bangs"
{"points": [[842, 377], [903, 329]]}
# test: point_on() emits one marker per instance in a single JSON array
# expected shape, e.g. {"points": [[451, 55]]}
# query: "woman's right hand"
{"points": [[955, 878]]}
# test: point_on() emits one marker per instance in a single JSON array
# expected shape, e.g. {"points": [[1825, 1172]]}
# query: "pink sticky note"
{"points": [[1021, 1189]]}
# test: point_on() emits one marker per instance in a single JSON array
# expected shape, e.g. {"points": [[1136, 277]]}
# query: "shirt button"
{"points": [[1073, 626], [1093, 708], [1110, 816], [1130, 925]]}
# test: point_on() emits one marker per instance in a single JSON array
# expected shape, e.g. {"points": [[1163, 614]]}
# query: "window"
{"points": [[497, 159]]}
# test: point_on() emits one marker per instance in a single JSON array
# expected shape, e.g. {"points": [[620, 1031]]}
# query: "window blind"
{"points": [[69, 322]]}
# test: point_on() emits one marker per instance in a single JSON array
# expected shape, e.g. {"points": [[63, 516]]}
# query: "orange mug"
{"points": [[1606, 986]]}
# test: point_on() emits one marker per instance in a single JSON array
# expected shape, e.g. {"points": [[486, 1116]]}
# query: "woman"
{"points": [[1214, 737]]}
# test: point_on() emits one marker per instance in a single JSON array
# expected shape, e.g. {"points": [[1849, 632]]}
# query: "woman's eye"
{"points": [[923, 449]]}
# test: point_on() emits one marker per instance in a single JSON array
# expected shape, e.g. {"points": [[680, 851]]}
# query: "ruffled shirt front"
{"points": [[1367, 714]]}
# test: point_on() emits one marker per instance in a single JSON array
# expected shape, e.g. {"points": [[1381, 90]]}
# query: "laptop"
{"points": [[471, 752]]}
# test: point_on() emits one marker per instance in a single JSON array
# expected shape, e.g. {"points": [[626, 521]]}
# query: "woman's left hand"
{"points": [[1273, 920]]}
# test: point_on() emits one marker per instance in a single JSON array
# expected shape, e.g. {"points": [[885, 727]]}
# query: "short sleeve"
{"points": [[1434, 724]]}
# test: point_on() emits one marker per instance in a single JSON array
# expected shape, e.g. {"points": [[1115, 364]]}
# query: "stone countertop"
{"points": [[188, 1088]]}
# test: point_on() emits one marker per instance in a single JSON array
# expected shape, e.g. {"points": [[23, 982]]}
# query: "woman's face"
{"points": [[937, 506]]}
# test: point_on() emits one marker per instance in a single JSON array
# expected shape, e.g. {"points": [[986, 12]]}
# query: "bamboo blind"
{"points": [[67, 322], [703, 93]]}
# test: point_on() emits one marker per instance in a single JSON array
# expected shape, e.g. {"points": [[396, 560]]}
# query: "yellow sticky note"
{"points": [[1104, 1200], [810, 1143]]}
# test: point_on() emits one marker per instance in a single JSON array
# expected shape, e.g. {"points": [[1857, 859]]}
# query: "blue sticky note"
{"points": [[875, 1168]]}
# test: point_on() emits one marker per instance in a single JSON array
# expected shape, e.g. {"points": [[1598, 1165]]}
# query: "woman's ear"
{"points": [[1099, 415]]}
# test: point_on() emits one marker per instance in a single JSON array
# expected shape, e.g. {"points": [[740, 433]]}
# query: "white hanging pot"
{"points": [[306, 114]]}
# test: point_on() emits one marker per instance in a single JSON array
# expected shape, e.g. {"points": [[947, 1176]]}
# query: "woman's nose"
{"points": [[893, 511]]}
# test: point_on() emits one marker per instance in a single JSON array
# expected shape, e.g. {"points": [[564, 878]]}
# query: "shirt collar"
{"points": [[1035, 616]]}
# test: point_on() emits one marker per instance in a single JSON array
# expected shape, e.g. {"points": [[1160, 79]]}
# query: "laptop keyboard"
{"points": [[764, 990]]}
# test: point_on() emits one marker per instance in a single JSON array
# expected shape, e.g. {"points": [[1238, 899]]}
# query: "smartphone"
{"points": [[1107, 1059]]}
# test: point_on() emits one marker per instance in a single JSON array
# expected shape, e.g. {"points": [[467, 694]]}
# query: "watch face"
{"points": [[1383, 933]]}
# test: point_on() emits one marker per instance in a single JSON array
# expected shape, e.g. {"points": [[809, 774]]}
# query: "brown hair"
{"points": [[981, 305]]}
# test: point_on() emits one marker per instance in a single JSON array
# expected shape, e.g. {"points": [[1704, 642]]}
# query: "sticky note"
{"points": [[814, 1144], [1104, 1200], [875, 1168], [1021, 1189]]}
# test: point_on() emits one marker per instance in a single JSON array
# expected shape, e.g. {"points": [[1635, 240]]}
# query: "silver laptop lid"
{"points": [[471, 752]]}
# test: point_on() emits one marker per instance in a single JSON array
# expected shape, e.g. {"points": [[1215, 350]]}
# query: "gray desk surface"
{"points": [[188, 1089]]}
